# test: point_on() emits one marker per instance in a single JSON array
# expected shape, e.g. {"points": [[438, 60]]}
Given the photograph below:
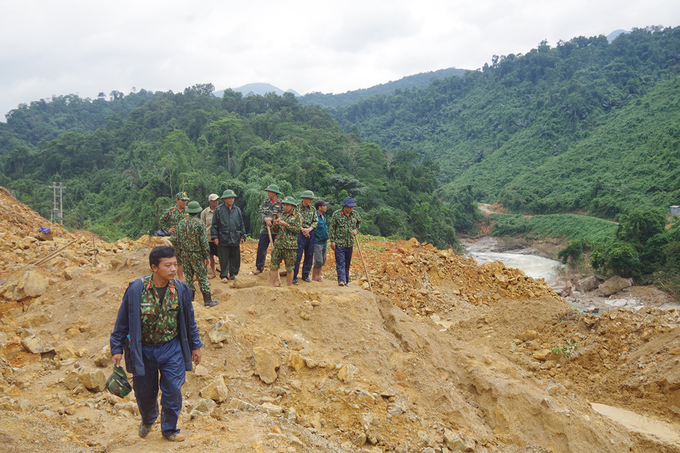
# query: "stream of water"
{"points": [[532, 265]]}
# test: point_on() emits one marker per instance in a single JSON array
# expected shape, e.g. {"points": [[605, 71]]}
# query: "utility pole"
{"points": [[58, 214]]}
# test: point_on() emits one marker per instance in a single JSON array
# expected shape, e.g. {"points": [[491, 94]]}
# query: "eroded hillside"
{"points": [[446, 355]]}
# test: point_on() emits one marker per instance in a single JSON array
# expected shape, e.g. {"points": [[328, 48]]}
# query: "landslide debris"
{"points": [[425, 364]]}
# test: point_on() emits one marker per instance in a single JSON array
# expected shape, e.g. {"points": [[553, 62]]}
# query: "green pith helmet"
{"points": [[228, 194], [118, 383], [273, 188], [289, 200], [193, 207], [307, 194], [181, 196]]}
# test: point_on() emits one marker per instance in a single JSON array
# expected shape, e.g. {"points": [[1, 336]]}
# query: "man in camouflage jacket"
{"points": [[305, 240], [269, 210], [341, 231], [195, 254], [169, 221], [285, 247]]}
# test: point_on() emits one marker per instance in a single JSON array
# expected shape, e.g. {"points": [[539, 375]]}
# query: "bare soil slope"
{"points": [[446, 355]]}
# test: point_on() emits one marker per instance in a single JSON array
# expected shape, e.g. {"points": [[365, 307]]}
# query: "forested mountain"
{"points": [[120, 178], [420, 80], [582, 126]]}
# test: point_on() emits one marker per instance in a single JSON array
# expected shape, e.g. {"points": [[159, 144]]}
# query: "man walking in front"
{"points": [[284, 248], [305, 240], [343, 227], [169, 221], [228, 232], [320, 239], [157, 329], [194, 252], [206, 218], [269, 209]]}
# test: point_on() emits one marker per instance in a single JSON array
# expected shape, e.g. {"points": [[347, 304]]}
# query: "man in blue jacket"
{"points": [[157, 330]]}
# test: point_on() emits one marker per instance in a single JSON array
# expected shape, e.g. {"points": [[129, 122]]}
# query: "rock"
{"points": [[36, 345], [93, 380], [296, 361], [204, 407], [457, 441], [23, 284], [237, 404], [73, 272], [220, 332], [216, 391], [545, 354], [528, 335], [347, 372], [272, 409], [613, 285], [71, 380], [244, 281], [588, 284], [266, 365], [65, 351], [103, 358], [200, 370], [365, 420]]}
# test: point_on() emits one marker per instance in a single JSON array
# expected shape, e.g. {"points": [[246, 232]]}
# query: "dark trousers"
{"points": [[262, 246], [167, 360], [306, 246], [343, 258], [230, 259]]}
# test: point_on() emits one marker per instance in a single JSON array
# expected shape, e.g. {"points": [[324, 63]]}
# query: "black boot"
{"points": [[207, 300]]}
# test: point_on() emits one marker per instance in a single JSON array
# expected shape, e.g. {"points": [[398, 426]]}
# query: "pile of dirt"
{"points": [[446, 355]]}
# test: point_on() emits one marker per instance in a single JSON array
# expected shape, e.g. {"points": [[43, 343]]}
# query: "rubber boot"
{"points": [[207, 300]]}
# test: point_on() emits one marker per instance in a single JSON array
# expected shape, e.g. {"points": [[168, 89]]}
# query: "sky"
{"points": [[87, 47]]}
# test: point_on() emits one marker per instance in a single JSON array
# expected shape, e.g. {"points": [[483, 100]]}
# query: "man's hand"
{"points": [[268, 221], [216, 241], [171, 230], [281, 222], [243, 240], [207, 262], [196, 356], [333, 246], [116, 358], [354, 232], [305, 231]]}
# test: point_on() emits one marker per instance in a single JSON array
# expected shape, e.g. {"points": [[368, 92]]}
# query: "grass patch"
{"points": [[568, 226]]}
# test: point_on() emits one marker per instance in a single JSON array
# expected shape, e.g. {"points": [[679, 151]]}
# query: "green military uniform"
{"points": [[159, 309], [308, 214], [269, 209], [341, 227], [170, 219], [193, 250], [285, 246]]}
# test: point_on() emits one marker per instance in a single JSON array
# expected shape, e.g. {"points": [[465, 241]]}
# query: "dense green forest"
{"points": [[351, 97], [584, 126], [120, 178]]}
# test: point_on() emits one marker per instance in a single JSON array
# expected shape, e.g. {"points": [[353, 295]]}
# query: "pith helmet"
{"points": [[228, 194], [181, 196], [273, 188], [193, 207], [348, 201], [289, 200], [307, 194], [118, 383]]}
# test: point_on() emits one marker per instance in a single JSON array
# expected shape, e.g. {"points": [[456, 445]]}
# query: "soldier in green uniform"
{"points": [[341, 231], [195, 254], [305, 240], [269, 209], [285, 246], [169, 221]]}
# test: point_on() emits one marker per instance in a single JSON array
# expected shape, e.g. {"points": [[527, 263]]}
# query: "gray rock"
{"points": [[588, 284], [216, 391], [204, 407], [614, 285]]}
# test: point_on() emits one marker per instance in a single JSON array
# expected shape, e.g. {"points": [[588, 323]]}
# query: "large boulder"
{"points": [[23, 284], [614, 285], [588, 284]]}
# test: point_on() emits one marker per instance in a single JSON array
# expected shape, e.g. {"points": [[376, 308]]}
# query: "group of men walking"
{"points": [[156, 331]]}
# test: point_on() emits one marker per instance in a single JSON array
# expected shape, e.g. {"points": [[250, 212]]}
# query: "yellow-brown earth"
{"points": [[443, 355]]}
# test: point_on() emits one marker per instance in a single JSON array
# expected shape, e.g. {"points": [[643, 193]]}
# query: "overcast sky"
{"points": [[86, 47]]}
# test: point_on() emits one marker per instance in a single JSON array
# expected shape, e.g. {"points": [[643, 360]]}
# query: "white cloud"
{"points": [[85, 47]]}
